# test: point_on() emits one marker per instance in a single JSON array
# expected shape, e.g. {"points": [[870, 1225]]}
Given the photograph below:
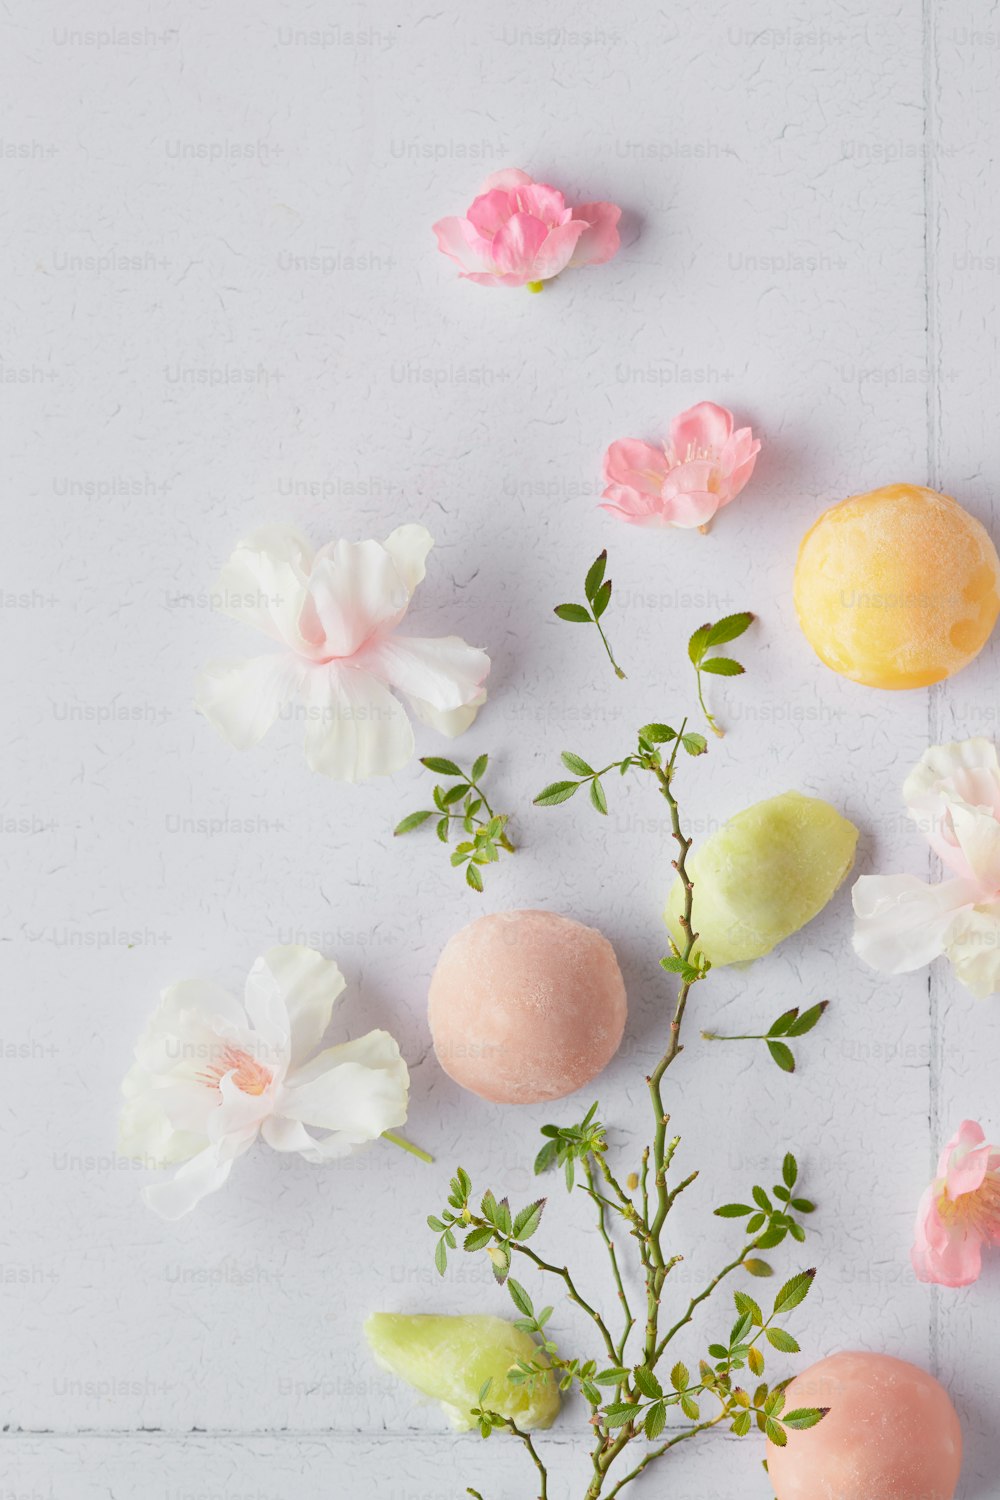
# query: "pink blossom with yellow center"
{"points": [[704, 465], [519, 232], [960, 1211]]}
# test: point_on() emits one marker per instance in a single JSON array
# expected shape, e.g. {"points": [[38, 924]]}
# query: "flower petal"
{"points": [[443, 671], [554, 253], [541, 202], [517, 244], [507, 178], [455, 239], [408, 547], [450, 722], [973, 948], [265, 583], [356, 729], [903, 923], [629, 505], [357, 591], [203, 1174], [600, 240], [355, 1092], [309, 986], [490, 211], [700, 428], [242, 699], [636, 465]]}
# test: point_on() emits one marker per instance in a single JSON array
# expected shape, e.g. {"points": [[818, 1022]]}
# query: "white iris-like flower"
{"points": [[902, 922], [336, 613], [212, 1074]]}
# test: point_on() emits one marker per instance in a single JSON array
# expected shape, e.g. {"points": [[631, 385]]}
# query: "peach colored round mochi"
{"points": [[891, 1433], [525, 1006]]}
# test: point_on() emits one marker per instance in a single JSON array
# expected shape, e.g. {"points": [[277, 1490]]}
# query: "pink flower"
{"points": [[704, 466], [521, 233], [960, 1211]]}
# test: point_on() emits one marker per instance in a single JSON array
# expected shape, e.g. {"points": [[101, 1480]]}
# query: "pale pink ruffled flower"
{"points": [[902, 923], [519, 232], [960, 1211], [336, 613], [703, 466]]}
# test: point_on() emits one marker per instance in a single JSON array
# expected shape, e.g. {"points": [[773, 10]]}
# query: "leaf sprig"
{"points": [[465, 803], [768, 1224], [597, 590], [646, 757], [704, 640], [790, 1024]]}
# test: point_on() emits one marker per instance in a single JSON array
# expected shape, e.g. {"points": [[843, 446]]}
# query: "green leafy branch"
{"points": [[646, 757], [597, 590], [465, 803], [790, 1024], [704, 640]]}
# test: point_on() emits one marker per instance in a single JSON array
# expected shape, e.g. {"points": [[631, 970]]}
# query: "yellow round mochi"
{"points": [[898, 588]]}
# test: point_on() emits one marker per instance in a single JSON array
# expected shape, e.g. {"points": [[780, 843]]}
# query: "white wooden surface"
{"points": [[813, 237]]}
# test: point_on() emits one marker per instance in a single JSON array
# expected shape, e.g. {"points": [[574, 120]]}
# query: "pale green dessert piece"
{"points": [[762, 876], [451, 1359]]}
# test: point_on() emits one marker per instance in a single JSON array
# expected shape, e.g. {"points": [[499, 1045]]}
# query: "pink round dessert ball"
{"points": [[526, 1006], [891, 1433]]}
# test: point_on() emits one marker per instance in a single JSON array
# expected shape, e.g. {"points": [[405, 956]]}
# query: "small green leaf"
{"points": [[761, 1199], [804, 1417], [520, 1298], [733, 1211], [730, 628], [613, 1376], [658, 734], [756, 1361], [477, 1239], [722, 666], [794, 1291], [748, 1307], [443, 826], [694, 744], [647, 1383], [453, 794], [411, 821], [473, 877], [803, 1206], [598, 798], [602, 598], [776, 1433], [619, 1413], [556, 792], [781, 1025], [546, 1158], [576, 614], [808, 1019], [680, 1377], [595, 576], [757, 1267], [576, 764], [656, 1420], [441, 1257], [779, 1339], [689, 1407], [479, 767], [789, 1170], [528, 1220], [698, 644], [742, 1424], [783, 1056], [441, 767]]}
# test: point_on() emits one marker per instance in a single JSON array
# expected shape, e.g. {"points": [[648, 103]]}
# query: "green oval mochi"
{"points": [[451, 1359], [763, 875]]}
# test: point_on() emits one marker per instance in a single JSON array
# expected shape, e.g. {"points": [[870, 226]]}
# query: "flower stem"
{"points": [[709, 718], [405, 1145], [618, 671]]}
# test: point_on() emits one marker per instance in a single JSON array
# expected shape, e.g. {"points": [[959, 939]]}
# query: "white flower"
{"points": [[903, 923], [336, 613], [211, 1074]]}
